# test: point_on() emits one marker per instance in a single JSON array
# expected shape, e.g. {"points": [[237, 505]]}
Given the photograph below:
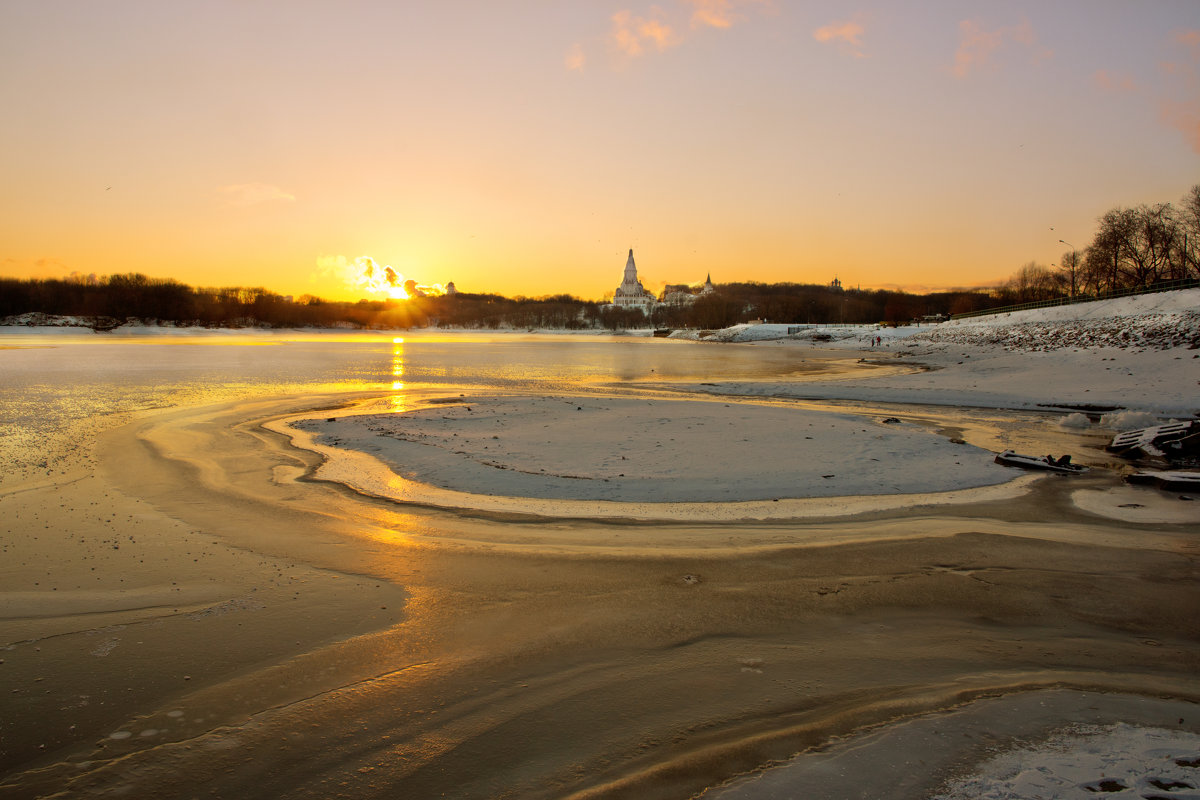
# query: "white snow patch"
{"points": [[656, 451], [1086, 761], [1129, 420]]}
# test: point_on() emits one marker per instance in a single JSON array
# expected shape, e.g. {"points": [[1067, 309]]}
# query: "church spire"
{"points": [[631, 293], [630, 272]]}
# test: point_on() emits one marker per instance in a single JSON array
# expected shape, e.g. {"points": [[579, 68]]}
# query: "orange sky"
{"points": [[524, 147]]}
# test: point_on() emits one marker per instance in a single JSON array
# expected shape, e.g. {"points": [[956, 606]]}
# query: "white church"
{"points": [[631, 293]]}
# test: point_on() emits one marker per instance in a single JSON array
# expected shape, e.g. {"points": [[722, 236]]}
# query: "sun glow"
{"points": [[384, 280]]}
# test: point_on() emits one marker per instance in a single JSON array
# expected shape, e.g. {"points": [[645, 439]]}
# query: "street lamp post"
{"points": [[1068, 244]]}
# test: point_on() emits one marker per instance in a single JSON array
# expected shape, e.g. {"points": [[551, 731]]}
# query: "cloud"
{"points": [[1189, 38], [252, 194], [713, 13], [717, 13], [659, 29], [976, 46], [575, 59], [847, 35], [632, 34]]}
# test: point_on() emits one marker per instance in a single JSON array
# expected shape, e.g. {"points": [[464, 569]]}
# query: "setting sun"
{"points": [[524, 153], [369, 276]]}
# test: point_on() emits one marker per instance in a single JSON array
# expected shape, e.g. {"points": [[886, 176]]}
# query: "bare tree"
{"points": [[1070, 271], [1139, 247], [1030, 283], [1189, 223]]}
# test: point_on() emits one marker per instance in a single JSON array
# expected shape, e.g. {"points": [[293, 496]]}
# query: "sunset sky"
{"points": [[523, 147]]}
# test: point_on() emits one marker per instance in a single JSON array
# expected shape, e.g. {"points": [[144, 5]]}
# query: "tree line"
{"points": [[1133, 248], [118, 298]]}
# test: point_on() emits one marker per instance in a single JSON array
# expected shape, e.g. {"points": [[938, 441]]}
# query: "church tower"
{"points": [[630, 281], [631, 293]]}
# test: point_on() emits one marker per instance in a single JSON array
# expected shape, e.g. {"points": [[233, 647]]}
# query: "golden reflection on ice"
{"points": [[398, 401], [391, 527]]}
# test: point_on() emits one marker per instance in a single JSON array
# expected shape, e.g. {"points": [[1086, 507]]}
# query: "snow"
{"points": [[1161, 319], [1137, 353], [644, 458], [1118, 760]]}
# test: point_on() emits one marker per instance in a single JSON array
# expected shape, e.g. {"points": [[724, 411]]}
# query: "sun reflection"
{"points": [[398, 400]]}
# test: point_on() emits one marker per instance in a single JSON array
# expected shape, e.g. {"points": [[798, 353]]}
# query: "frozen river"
{"points": [[189, 603], [57, 379]]}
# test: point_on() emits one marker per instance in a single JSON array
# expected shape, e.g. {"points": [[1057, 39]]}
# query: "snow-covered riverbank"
{"points": [[1136, 353]]}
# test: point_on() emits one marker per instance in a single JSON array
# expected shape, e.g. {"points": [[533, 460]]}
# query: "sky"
{"points": [[523, 147]]}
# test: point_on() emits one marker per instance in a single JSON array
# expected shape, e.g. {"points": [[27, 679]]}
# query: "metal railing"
{"points": [[1165, 286]]}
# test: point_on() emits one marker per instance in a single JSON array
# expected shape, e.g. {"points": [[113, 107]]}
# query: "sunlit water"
{"points": [[55, 384]]}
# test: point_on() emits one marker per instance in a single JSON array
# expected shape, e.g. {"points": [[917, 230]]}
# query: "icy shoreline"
{"points": [[1136, 354], [597, 621]]}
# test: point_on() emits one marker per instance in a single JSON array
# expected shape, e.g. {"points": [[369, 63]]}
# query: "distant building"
{"points": [[677, 294], [631, 293], [836, 285], [680, 294], [450, 288]]}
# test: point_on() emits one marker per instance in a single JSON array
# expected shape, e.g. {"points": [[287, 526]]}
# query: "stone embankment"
{"points": [[1160, 331]]}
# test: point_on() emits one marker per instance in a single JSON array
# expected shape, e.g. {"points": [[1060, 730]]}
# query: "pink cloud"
{"points": [[847, 34], [717, 13], [714, 13], [976, 46], [632, 34]]}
